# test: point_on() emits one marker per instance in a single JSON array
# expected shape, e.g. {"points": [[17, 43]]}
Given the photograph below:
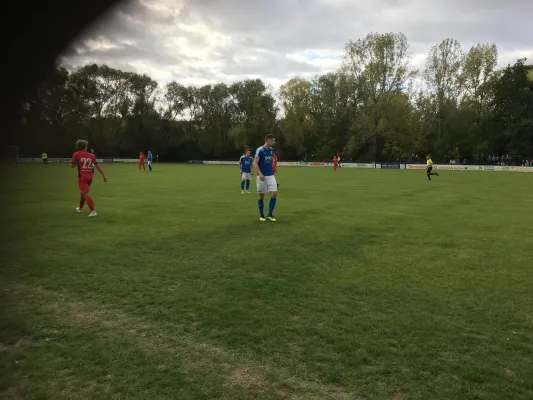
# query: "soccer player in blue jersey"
{"points": [[149, 160], [245, 164], [266, 182]]}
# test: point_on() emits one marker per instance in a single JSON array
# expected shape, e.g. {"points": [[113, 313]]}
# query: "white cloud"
{"points": [[208, 41]]}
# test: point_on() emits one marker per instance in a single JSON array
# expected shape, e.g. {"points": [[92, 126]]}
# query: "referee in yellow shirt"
{"points": [[429, 167]]}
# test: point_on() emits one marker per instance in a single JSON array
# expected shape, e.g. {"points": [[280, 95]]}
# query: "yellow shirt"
{"points": [[429, 162]]}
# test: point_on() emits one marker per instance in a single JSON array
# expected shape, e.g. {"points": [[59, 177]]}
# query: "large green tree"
{"points": [[513, 110], [374, 107], [378, 64]]}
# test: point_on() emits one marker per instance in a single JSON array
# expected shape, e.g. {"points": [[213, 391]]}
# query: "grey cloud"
{"points": [[288, 26]]}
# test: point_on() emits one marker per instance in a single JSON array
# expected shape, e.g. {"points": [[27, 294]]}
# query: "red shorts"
{"points": [[141, 162], [84, 184]]}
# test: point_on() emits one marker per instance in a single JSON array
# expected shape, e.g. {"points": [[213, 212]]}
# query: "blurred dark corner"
{"points": [[34, 33]]}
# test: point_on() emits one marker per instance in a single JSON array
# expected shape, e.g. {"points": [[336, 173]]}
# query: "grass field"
{"points": [[373, 284]]}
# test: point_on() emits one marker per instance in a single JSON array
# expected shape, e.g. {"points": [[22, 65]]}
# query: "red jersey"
{"points": [[274, 163], [335, 160], [141, 158], [85, 161]]}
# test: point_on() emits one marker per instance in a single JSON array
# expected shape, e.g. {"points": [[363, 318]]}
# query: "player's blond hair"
{"points": [[81, 144]]}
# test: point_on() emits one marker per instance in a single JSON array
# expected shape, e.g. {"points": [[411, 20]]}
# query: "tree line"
{"points": [[375, 107]]}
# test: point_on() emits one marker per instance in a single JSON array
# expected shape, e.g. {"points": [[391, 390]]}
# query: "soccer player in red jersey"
{"points": [[335, 163], [275, 165], [85, 161], [141, 161]]}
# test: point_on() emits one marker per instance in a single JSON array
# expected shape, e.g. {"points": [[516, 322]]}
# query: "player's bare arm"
{"points": [[101, 171], [256, 167]]}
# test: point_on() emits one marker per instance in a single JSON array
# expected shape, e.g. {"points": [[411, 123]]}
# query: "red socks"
{"points": [[82, 201], [90, 202]]}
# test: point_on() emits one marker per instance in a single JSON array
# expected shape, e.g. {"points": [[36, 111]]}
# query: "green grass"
{"points": [[373, 284]]}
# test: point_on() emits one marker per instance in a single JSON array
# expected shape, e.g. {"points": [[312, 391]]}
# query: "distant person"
{"points": [[245, 166], [85, 161], [149, 160], [266, 182], [92, 152], [44, 156], [338, 160], [335, 163], [141, 161], [429, 167], [275, 167]]}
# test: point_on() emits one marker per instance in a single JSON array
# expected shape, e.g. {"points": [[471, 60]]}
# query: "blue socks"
{"points": [[260, 205], [247, 185], [271, 206], [242, 185]]}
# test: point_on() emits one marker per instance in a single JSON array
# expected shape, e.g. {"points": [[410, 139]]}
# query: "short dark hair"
{"points": [[269, 136], [81, 144], [247, 150]]}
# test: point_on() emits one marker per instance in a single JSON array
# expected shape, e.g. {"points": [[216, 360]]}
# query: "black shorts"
{"points": [[429, 169]]}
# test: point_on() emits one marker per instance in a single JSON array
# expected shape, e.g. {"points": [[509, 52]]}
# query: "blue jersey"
{"points": [[150, 157], [246, 164], [265, 160]]}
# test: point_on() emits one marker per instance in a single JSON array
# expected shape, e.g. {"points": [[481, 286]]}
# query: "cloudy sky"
{"points": [[205, 41]]}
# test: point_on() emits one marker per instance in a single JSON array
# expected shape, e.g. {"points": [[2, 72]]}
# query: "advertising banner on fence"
{"points": [[455, 167], [220, 162], [61, 160], [196, 162], [389, 165], [395, 165], [520, 169], [358, 165], [107, 160], [446, 167], [416, 166], [288, 164], [40, 160]]}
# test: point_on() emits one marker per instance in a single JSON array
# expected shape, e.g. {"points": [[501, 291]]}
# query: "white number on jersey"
{"points": [[87, 163]]}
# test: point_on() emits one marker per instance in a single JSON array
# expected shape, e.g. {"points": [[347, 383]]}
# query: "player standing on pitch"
{"points": [[429, 167], [335, 163], [245, 165], [92, 152], [141, 161], [85, 161], [275, 166], [266, 182], [149, 160]]}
